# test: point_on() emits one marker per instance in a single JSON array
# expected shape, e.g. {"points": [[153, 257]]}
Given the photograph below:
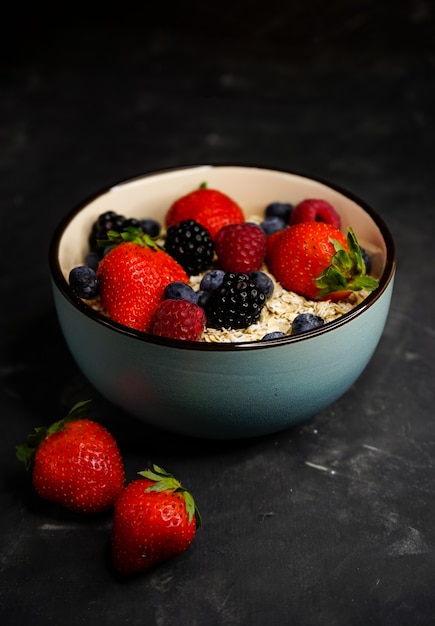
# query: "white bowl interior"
{"points": [[252, 188]]}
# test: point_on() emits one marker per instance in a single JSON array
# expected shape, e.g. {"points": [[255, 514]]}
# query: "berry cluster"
{"points": [[301, 246]]}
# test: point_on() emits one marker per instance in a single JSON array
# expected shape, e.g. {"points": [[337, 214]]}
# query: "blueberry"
{"points": [[279, 209], [84, 281], [180, 291], [212, 280], [263, 282], [150, 227], [276, 334], [202, 297], [305, 322], [108, 248], [366, 259], [92, 260], [272, 224]]}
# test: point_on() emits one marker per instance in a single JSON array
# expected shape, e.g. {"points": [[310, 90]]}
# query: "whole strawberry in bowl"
{"points": [[221, 357]]}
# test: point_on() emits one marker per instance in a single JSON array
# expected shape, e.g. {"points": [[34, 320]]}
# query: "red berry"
{"points": [[316, 260], [155, 519], [315, 210], [76, 463], [178, 319], [133, 277], [301, 253], [210, 207], [241, 248]]}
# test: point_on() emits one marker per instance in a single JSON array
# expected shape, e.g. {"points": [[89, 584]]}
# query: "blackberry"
{"points": [[191, 245], [105, 222], [131, 222], [237, 303]]}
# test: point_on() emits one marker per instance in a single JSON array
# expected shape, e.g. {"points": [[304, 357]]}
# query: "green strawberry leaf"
{"points": [[164, 481], [347, 271], [25, 452], [132, 234]]}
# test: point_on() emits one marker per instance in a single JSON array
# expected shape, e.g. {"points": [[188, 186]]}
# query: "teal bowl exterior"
{"points": [[222, 390], [247, 392]]}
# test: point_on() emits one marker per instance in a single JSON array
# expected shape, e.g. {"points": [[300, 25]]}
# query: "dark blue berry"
{"points": [[84, 281], [108, 248], [212, 280], [279, 209], [150, 227], [92, 260], [203, 297], [366, 259], [180, 291], [276, 334], [305, 322], [273, 224], [263, 282]]}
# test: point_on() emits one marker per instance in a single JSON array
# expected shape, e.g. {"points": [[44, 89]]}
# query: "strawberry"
{"points": [[76, 463], [240, 248], [211, 208], [178, 319], [316, 260], [133, 277], [315, 210], [155, 519]]}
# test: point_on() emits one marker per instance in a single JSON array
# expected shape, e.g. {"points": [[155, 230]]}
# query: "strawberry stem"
{"points": [[164, 481], [347, 271], [26, 452], [135, 235]]}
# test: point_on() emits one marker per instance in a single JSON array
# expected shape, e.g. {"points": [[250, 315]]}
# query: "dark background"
{"points": [[331, 522]]}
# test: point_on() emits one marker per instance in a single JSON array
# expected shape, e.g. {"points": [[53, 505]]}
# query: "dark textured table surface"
{"points": [[329, 523]]}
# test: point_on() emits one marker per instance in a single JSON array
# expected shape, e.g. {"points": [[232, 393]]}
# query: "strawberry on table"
{"points": [[155, 519], [75, 463], [133, 277], [315, 260], [211, 208]]}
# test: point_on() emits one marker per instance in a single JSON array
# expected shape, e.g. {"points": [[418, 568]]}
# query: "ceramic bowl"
{"points": [[224, 390]]}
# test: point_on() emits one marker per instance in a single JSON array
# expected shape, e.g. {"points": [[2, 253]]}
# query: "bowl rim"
{"points": [[61, 283]]}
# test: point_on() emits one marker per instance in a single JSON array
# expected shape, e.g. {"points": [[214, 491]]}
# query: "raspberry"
{"points": [[240, 247], [191, 245], [178, 319], [237, 303], [315, 210]]}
